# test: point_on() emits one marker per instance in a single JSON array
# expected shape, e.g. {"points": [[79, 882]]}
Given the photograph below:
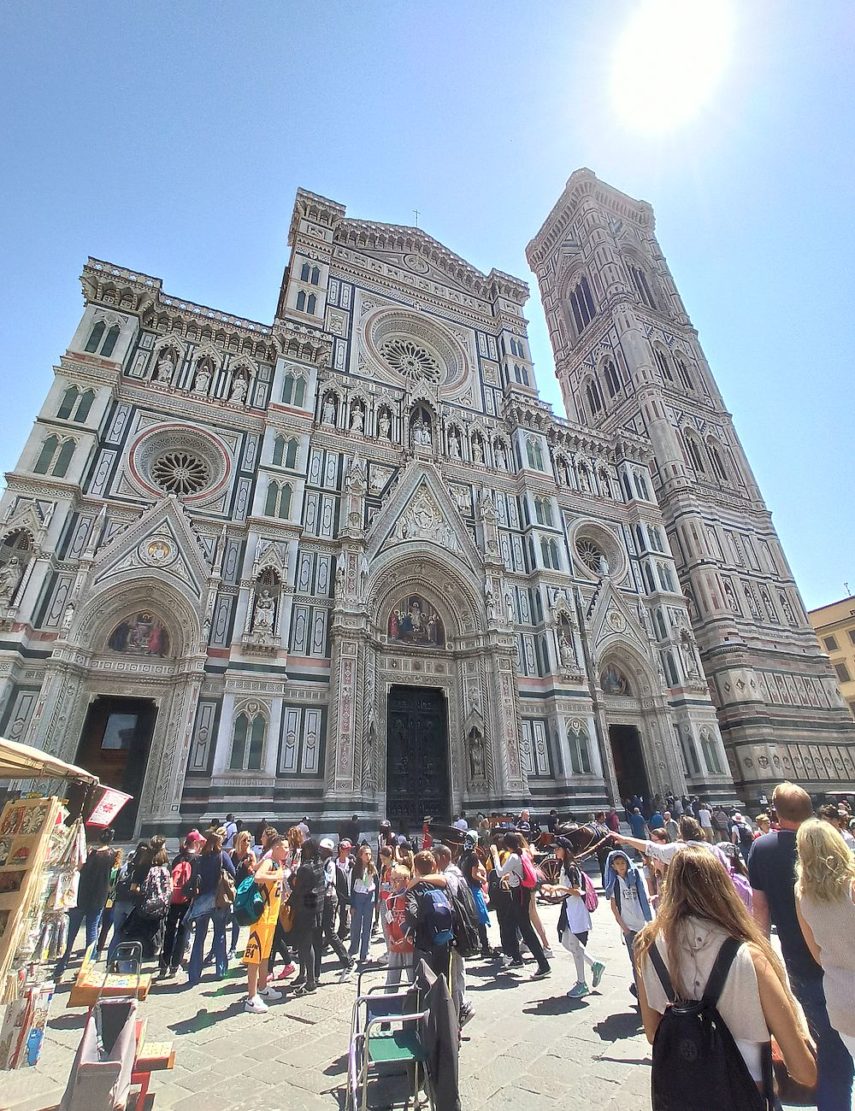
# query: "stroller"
{"points": [[100, 1078]]}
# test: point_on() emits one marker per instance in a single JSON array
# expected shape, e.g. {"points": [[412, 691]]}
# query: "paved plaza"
{"points": [[527, 1047]]}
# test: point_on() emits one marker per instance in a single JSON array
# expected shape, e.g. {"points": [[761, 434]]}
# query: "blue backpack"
{"points": [[249, 902], [438, 917]]}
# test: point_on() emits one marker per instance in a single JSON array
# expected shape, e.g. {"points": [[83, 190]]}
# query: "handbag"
{"points": [[286, 916], [225, 891]]}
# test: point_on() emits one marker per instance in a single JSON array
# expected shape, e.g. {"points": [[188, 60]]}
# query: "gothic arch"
{"points": [[455, 594], [636, 667], [103, 610]]}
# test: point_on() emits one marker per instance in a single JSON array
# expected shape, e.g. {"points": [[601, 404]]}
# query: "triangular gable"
{"points": [[611, 619], [162, 540], [422, 509]]}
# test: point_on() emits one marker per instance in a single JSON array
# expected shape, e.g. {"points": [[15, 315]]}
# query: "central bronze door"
{"points": [[416, 757]]}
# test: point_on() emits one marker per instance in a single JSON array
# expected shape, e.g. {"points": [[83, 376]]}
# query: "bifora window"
{"points": [[180, 472]]}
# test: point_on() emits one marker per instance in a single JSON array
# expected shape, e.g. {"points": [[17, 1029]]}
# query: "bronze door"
{"points": [[416, 757], [114, 746]]}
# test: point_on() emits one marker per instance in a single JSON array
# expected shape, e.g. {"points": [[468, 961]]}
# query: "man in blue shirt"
{"points": [[772, 872], [637, 824]]}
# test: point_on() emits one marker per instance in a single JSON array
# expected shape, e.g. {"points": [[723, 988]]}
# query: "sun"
{"points": [[669, 61]]}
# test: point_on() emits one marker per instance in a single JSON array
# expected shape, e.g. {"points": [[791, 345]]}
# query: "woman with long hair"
{"points": [[245, 863], [699, 911], [512, 874], [825, 889], [364, 883], [533, 912], [207, 869], [574, 922], [307, 900]]}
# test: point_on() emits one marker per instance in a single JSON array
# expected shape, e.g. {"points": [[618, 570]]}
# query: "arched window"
{"points": [[67, 404], [640, 538], [683, 372], [110, 341], [639, 279], [594, 397], [582, 305], [95, 337], [301, 301], [549, 553], [304, 272], [641, 487], [655, 538], [49, 448], [719, 469], [580, 757], [248, 742], [648, 578], [543, 511], [293, 390], [60, 467], [315, 275], [611, 376], [534, 452], [695, 455], [84, 405], [520, 374], [291, 453], [687, 746], [671, 673], [626, 486], [660, 625], [663, 364], [278, 451], [710, 751], [311, 302]]}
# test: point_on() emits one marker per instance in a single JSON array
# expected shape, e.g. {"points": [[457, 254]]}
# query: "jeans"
{"points": [[175, 937], [106, 923], [628, 941], [834, 1065], [330, 937], [309, 948], [75, 919], [360, 923], [576, 944], [519, 902], [235, 934], [121, 910], [218, 917]]}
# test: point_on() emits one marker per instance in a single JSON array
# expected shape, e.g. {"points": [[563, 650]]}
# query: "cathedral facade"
{"points": [[350, 561]]}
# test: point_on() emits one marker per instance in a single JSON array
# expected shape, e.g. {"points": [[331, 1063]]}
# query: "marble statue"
{"points": [[501, 457], [477, 451], [165, 368], [384, 426], [239, 389], [265, 613], [328, 414], [477, 759], [453, 444], [202, 381], [565, 652], [357, 419], [10, 576]]}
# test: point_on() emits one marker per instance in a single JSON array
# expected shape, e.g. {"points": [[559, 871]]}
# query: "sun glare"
{"points": [[669, 61]]}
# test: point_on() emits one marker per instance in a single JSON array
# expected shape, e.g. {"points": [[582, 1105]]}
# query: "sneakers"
{"points": [[305, 989], [467, 1013], [255, 1006], [231, 954], [516, 964], [270, 994], [578, 991], [597, 970], [285, 972], [540, 974], [345, 974], [547, 952]]}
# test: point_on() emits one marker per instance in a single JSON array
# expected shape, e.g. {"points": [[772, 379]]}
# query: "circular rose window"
{"points": [[180, 460], [591, 554], [416, 348], [180, 472], [411, 360]]}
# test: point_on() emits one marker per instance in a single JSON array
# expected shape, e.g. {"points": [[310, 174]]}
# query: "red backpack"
{"points": [[181, 874], [529, 876]]}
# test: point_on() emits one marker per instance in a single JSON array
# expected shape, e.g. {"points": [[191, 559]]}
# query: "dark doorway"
{"points": [[629, 761], [416, 757], [114, 746]]}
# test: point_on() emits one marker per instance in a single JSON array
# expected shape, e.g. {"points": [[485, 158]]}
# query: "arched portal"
{"points": [[631, 721]]}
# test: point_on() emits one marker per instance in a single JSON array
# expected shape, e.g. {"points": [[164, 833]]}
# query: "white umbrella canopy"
{"points": [[19, 761]]}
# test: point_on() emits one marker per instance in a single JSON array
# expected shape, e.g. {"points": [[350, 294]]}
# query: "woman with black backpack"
{"points": [[712, 992]]}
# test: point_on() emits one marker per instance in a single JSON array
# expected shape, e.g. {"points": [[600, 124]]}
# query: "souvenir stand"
{"points": [[39, 859]]}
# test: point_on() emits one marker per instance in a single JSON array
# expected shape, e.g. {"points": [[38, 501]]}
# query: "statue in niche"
{"points": [[566, 655], [603, 567], [477, 755], [786, 607], [339, 579], [490, 602], [239, 389], [477, 450], [165, 368], [422, 433], [202, 381], [454, 444], [265, 613], [731, 597], [501, 456], [384, 425], [68, 617], [10, 576], [357, 418], [751, 600], [509, 606], [687, 648], [328, 412]]}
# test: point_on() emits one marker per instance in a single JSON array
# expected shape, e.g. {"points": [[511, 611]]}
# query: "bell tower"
{"points": [[628, 358]]}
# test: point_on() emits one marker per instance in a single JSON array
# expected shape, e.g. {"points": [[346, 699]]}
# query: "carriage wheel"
{"points": [[550, 866]]}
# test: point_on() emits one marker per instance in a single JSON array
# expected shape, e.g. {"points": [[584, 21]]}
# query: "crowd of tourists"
{"points": [[695, 891]]}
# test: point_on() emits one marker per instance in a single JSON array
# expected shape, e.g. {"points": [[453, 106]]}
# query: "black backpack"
{"points": [[696, 1063], [466, 939]]}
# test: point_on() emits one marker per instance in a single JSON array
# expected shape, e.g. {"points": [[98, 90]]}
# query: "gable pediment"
{"points": [[610, 619], [161, 541], [421, 509]]}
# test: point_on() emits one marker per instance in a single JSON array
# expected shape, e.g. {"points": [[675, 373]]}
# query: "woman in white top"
{"points": [[699, 910], [825, 889], [574, 923]]}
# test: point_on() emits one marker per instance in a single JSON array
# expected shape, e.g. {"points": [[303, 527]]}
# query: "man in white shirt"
{"points": [[672, 829], [230, 834], [462, 822], [705, 818]]}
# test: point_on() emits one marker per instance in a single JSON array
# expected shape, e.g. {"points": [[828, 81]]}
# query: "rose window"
{"points": [[411, 360], [180, 472], [591, 554]]}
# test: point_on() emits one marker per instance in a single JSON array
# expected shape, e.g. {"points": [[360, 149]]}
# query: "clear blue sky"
{"points": [[170, 137]]}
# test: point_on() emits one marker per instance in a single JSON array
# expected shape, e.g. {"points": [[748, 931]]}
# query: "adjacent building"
{"points": [[349, 560], [834, 625]]}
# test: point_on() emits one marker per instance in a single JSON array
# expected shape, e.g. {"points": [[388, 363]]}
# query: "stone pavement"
{"points": [[527, 1047]]}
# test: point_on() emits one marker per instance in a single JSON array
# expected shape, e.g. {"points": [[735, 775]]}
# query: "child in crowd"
{"points": [[574, 922], [627, 894], [399, 945]]}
